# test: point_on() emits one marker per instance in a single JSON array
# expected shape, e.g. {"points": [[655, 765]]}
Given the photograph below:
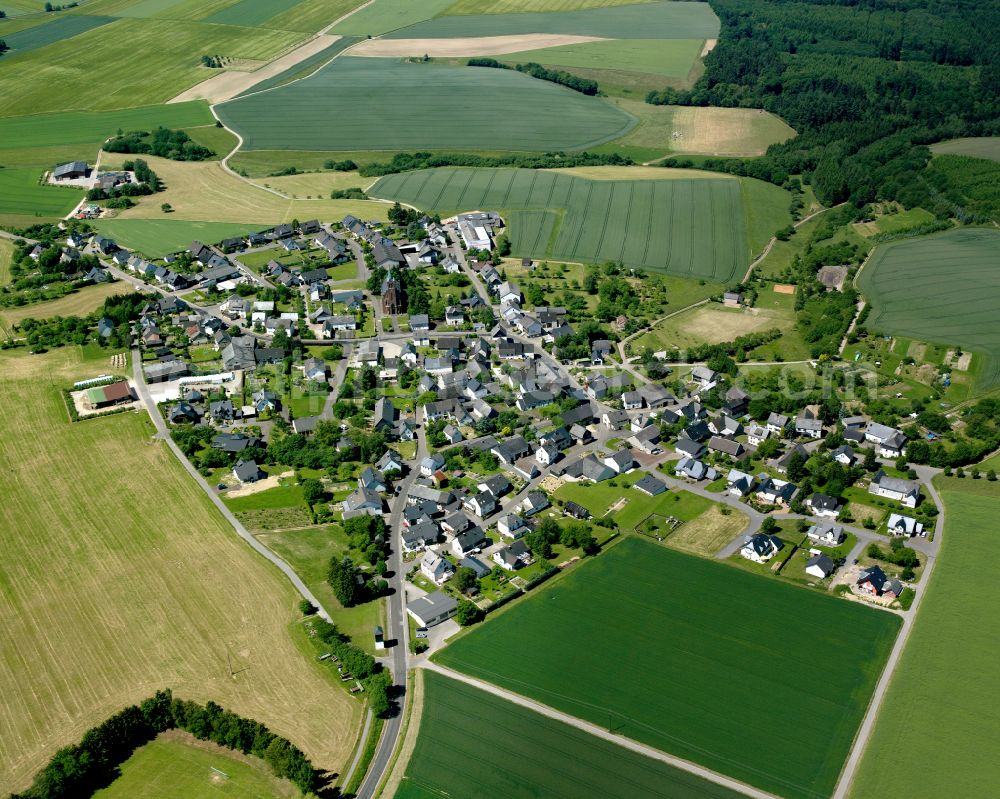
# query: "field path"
{"points": [[139, 380], [467, 46], [770, 244], [600, 732]]}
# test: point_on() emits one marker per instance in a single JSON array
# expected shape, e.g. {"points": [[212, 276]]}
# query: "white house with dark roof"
{"points": [[761, 548], [906, 492], [889, 442]]}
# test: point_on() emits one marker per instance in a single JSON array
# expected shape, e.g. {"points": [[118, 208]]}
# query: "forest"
{"points": [[866, 83]]}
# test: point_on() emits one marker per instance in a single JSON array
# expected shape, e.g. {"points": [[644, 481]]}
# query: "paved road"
{"points": [[162, 432], [600, 732], [396, 629]]}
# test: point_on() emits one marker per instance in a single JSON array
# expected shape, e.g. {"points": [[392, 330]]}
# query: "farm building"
{"points": [[477, 229], [432, 609], [70, 171], [111, 394]]}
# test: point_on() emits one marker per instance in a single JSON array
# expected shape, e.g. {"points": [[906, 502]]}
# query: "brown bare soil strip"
{"points": [[468, 46]]}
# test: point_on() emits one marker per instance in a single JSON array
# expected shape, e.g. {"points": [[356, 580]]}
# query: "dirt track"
{"points": [[469, 46]]}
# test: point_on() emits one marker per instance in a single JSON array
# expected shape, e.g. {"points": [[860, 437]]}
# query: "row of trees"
{"points": [[405, 162], [358, 664], [582, 85], [82, 769]]}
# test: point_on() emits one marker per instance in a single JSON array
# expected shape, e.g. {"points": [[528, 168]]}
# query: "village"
{"points": [[457, 421]]}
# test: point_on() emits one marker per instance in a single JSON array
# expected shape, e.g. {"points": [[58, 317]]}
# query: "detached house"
{"points": [[873, 581], [435, 568], [907, 492], [761, 548], [823, 505], [889, 442]]}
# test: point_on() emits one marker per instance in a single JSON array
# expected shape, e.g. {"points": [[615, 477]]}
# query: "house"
{"points": [[697, 431], [420, 323], [315, 369], [761, 548], [774, 491], [704, 377], [234, 443], [184, 412], [482, 503], [873, 581], [781, 464], [725, 426], [737, 401], [576, 511], [757, 435], [480, 568], [534, 503], [823, 505], [370, 480], [587, 468], [435, 568], [512, 556], [732, 299], [390, 462], [694, 469], [620, 462], [906, 492], [509, 293], [806, 424], [614, 419], [362, 502], [511, 450], [726, 446], [265, 401], [820, 566], [689, 448], [431, 464], [432, 609], [512, 526], [650, 486], [248, 472], [469, 541], [454, 315], [305, 424], [547, 454], [222, 410], [844, 455], [827, 535], [777, 423], [889, 442], [631, 400], [903, 525], [416, 537], [739, 483]]}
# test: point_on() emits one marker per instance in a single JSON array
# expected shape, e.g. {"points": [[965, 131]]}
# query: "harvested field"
{"points": [[688, 617], [659, 20], [468, 46], [343, 105], [944, 289], [987, 147], [688, 227], [458, 721], [79, 303], [707, 533], [229, 84], [102, 607], [521, 6]]}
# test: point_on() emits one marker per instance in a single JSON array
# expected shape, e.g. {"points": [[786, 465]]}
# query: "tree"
{"points": [[465, 579], [871, 462], [312, 491], [796, 466], [503, 245], [769, 526], [342, 577], [307, 608], [166, 208], [467, 614]]}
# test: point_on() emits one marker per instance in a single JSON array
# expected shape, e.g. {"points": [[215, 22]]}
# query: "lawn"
{"points": [[154, 590], [21, 193], [682, 505], [154, 238], [663, 20], [62, 76], [708, 532], [987, 147], [706, 634], [685, 226], [936, 730], [178, 766], [203, 191], [944, 289], [668, 58], [713, 324], [461, 724], [383, 16], [344, 105]]}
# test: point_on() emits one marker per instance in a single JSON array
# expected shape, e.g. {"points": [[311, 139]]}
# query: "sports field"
{"points": [[474, 745], [695, 658], [154, 238], [936, 731], [384, 105], [692, 227], [944, 289], [178, 766], [669, 58], [119, 578], [22, 193], [661, 20], [53, 31], [64, 76], [983, 147]]}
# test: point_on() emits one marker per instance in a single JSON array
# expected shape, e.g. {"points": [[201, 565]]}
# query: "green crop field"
{"points": [[692, 227], [388, 15], [944, 289], [51, 32], [463, 730], [310, 16], [695, 658], [176, 766], [305, 67], [94, 71], [119, 577], [250, 12], [984, 147], [21, 193], [355, 100], [154, 238], [936, 730], [663, 20], [670, 58]]}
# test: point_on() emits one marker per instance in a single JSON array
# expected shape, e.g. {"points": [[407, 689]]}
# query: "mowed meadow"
{"points": [[682, 223], [944, 288], [706, 662], [119, 578], [472, 744]]}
